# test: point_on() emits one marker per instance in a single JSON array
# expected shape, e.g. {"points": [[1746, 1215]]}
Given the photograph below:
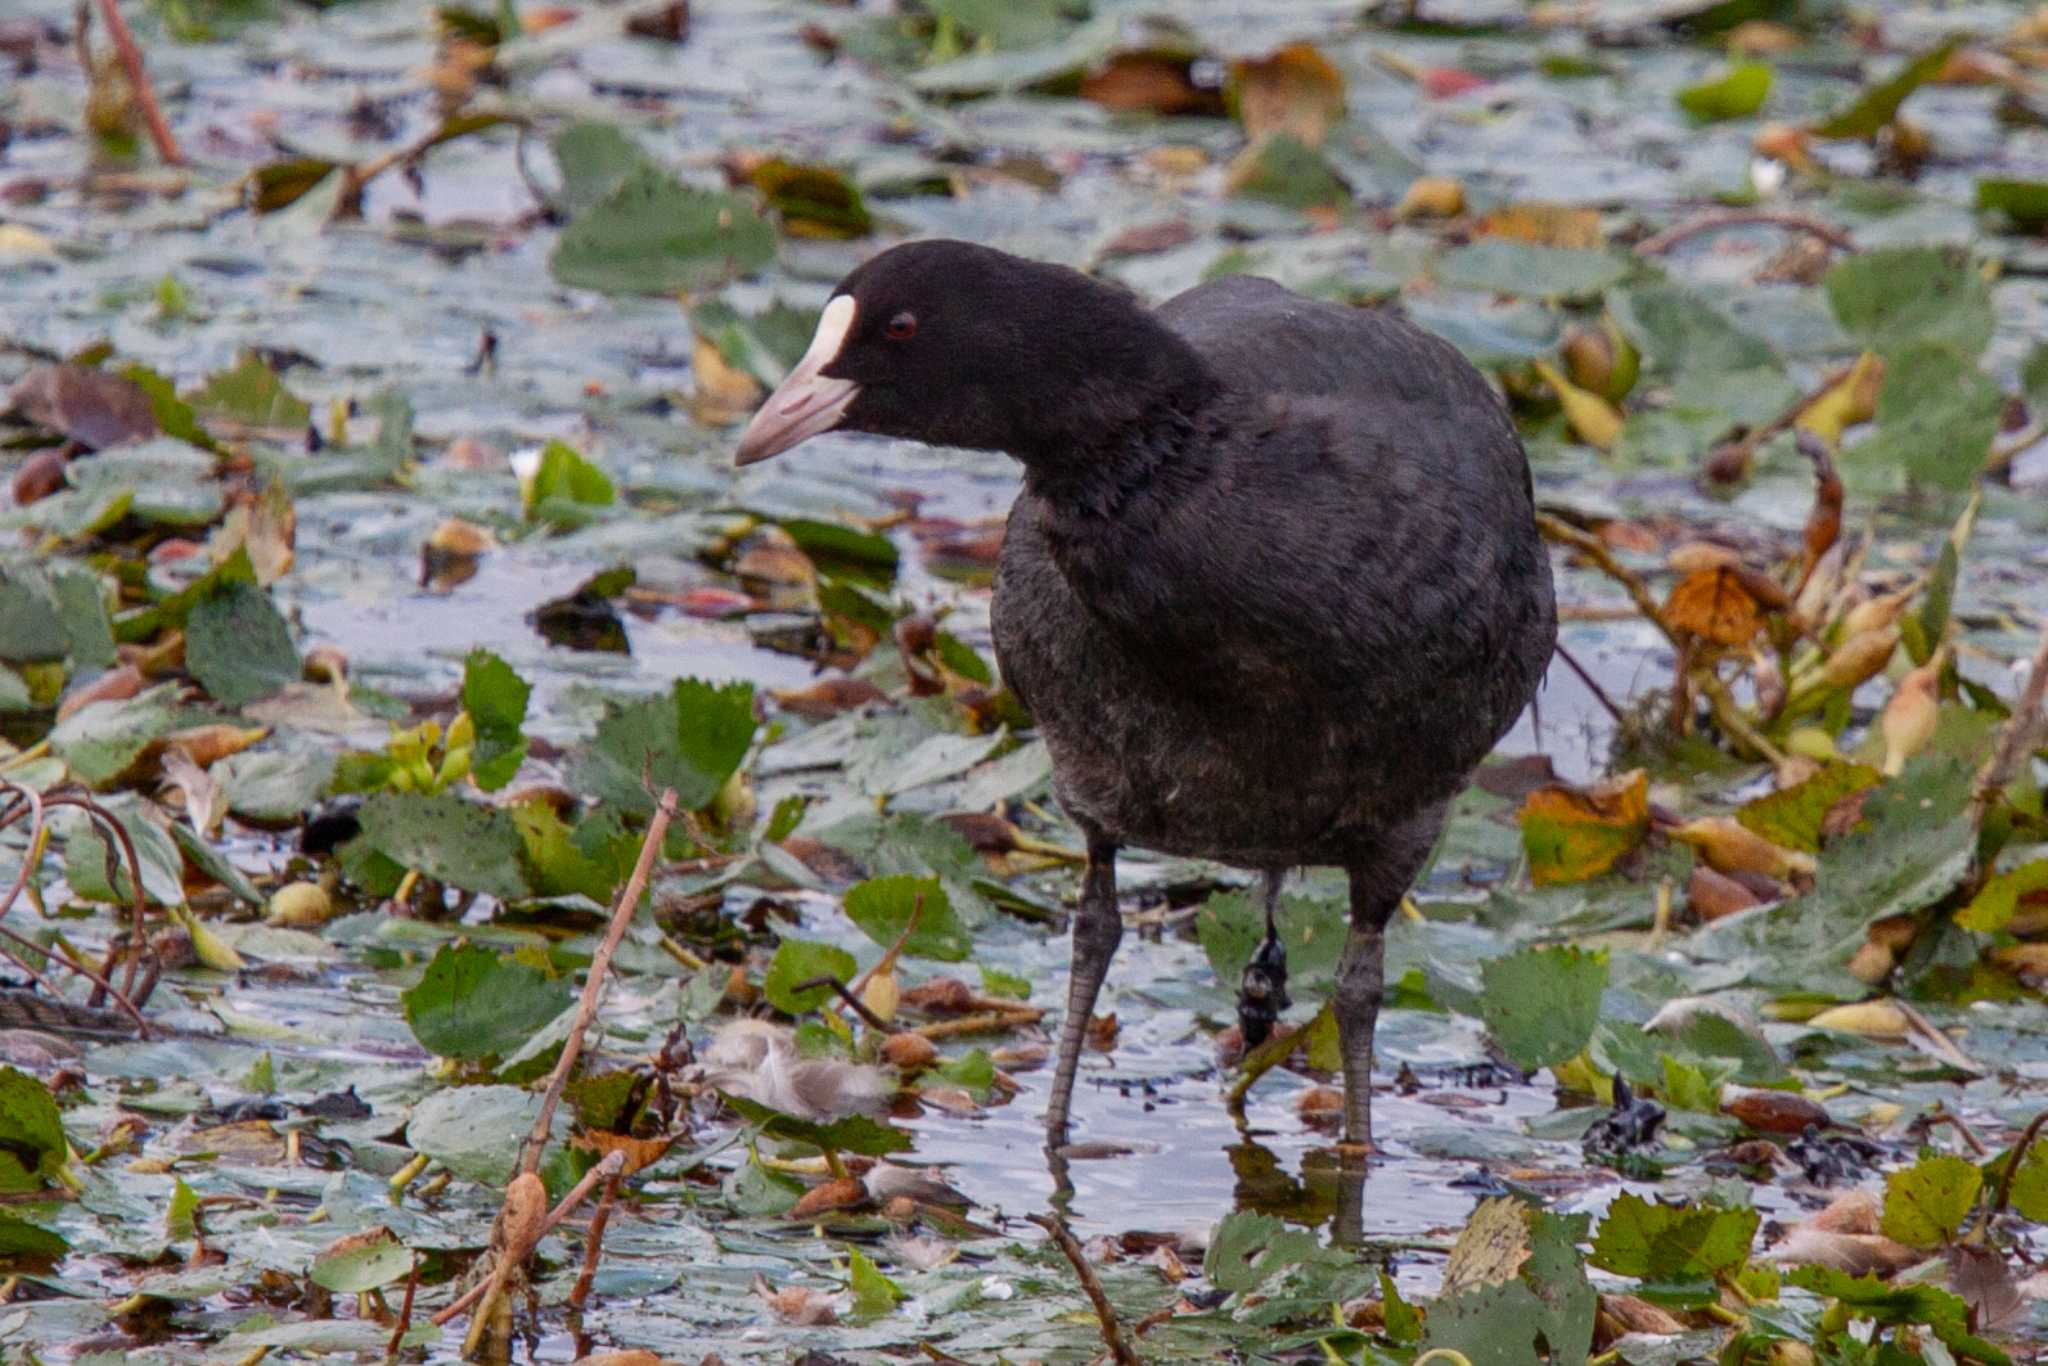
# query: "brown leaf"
{"points": [[724, 395], [115, 685], [668, 23], [1147, 238], [1984, 1279], [909, 1052], [1713, 895], [1550, 225], [828, 697], [41, 475], [1774, 1112], [1713, 605], [639, 1153], [1147, 82], [844, 1193], [941, 996], [1102, 1032], [92, 407], [1295, 90], [1640, 1316]]}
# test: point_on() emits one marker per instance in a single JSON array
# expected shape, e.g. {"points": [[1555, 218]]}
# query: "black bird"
{"points": [[1273, 586]]}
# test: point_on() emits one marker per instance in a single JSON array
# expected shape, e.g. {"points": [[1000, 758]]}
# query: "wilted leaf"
{"points": [[1795, 817], [853, 1134], [1540, 1005], [1925, 1204], [654, 235], [1713, 605], [1736, 93], [92, 407], [1295, 90], [814, 201], [1661, 1242], [473, 1004], [1148, 82], [1571, 833]]}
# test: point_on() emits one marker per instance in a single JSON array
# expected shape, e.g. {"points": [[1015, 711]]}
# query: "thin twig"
{"points": [[612, 1165], [845, 994], [1112, 1331], [1717, 219], [593, 986], [593, 1241], [1557, 530], [138, 80], [404, 1325], [1729, 714], [2019, 1152], [1731, 460], [2017, 739], [34, 804], [1599, 693]]}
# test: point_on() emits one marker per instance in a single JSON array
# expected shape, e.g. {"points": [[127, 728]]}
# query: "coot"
{"points": [[1271, 590]]}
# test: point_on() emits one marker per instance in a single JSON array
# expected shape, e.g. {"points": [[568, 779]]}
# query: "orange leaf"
{"points": [[1295, 90], [1575, 833], [1713, 604]]}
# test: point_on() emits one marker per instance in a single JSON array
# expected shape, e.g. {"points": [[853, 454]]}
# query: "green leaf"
{"points": [[31, 628], [1502, 265], [469, 846], [595, 158], [814, 201], [881, 906], [563, 484], [1879, 104], [1282, 169], [2034, 376], [1248, 1247], [495, 698], [2029, 1194], [32, 1144], [365, 1264], [873, 1293], [1925, 1204], [1660, 1242], [1893, 299], [252, 394], [473, 1004], [800, 960], [181, 1216], [1791, 817], [2025, 202], [1541, 1004], [237, 645], [83, 607], [1009, 986], [1312, 931], [1936, 418], [653, 235], [854, 1134], [1888, 1304], [475, 1131], [973, 1070], [20, 1238], [99, 741], [1542, 1312], [562, 859], [1737, 93], [693, 741], [1403, 1320], [174, 416], [1993, 906]]}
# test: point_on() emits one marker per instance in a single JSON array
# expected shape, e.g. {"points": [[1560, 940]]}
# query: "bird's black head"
{"points": [[959, 345]]}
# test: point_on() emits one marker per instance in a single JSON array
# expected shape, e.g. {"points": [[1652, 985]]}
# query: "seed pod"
{"points": [[1819, 589], [1592, 418], [1874, 614], [1879, 1019], [908, 1052], [1859, 658], [1732, 847], [1910, 717], [519, 1222], [881, 995], [1768, 681], [1431, 196], [299, 903]]}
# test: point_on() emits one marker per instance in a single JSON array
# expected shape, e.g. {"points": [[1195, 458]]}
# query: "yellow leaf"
{"points": [[1431, 196], [1572, 833], [1592, 418], [1295, 90], [1850, 400]]}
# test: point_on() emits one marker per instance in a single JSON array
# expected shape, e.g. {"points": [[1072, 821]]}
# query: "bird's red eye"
{"points": [[902, 327]]}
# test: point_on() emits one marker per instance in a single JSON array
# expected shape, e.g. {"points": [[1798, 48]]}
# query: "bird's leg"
{"points": [[1262, 992], [1361, 982], [1098, 925]]}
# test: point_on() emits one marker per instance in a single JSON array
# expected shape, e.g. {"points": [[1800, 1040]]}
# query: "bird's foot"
{"points": [[1262, 992]]}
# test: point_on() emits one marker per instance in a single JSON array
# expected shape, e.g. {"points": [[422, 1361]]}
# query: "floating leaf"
{"points": [[813, 201], [1661, 1242], [361, 1262], [873, 1293], [1283, 169], [1503, 265], [1887, 1303], [1793, 817], [1936, 418], [882, 906], [595, 158], [1541, 1004], [93, 407], [1573, 833], [853, 1134], [562, 483], [2025, 202], [1895, 299], [654, 235], [252, 394], [33, 1148], [1993, 906], [797, 961], [1735, 94], [237, 644], [454, 841], [692, 740], [473, 1004]]}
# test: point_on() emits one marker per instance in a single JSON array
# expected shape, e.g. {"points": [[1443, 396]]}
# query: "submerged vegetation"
{"points": [[479, 876]]}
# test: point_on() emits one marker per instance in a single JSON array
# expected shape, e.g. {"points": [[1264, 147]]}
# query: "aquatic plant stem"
{"points": [[1105, 1314], [138, 80], [2017, 741], [593, 985], [613, 1164]]}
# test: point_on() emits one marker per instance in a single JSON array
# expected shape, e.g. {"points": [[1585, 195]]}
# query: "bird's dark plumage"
{"points": [[1273, 586]]}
